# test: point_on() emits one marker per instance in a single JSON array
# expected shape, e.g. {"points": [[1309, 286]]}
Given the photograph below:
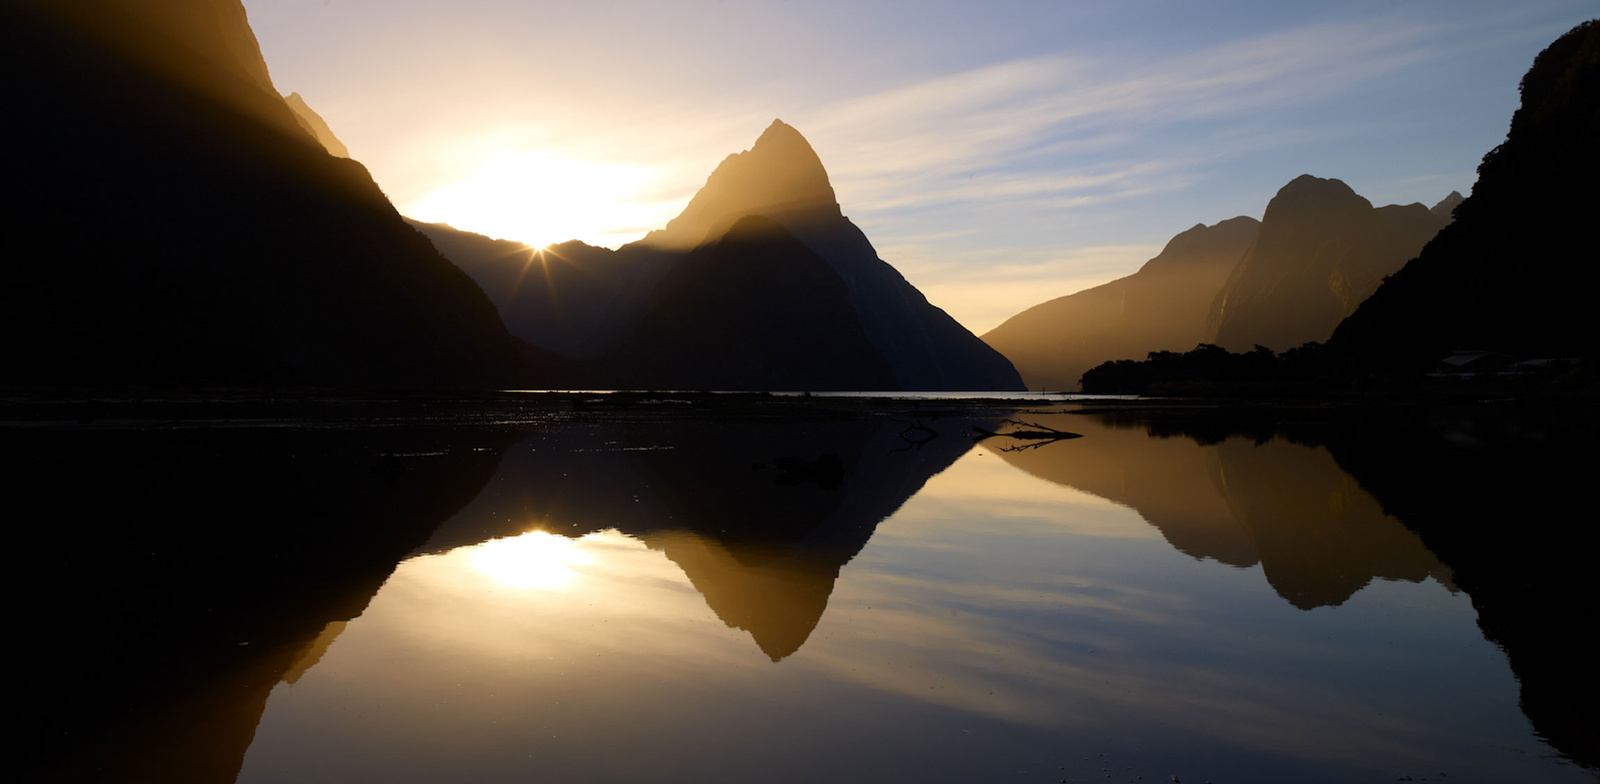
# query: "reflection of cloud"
{"points": [[1061, 678]]}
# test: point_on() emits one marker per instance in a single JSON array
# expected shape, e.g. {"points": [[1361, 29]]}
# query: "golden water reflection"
{"points": [[997, 620], [536, 560]]}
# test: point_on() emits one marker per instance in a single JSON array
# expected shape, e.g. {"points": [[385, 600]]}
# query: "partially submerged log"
{"points": [[1030, 431]]}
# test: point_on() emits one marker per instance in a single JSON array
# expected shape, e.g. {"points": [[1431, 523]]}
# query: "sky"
{"points": [[999, 154]]}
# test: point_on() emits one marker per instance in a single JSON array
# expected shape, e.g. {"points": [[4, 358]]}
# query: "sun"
{"points": [[540, 198]]}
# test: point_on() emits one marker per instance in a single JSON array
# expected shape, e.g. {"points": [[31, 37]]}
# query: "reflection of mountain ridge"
{"points": [[760, 515], [202, 565], [1493, 490], [1318, 536]]}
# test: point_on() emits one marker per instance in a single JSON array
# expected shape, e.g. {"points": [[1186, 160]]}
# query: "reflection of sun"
{"points": [[539, 198], [536, 561]]}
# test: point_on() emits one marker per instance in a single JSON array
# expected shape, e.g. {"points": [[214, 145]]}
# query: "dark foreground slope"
{"points": [[1162, 307], [171, 223], [1510, 274], [582, 301]]}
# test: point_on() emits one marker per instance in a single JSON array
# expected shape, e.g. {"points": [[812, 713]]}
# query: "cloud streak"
{"points": [[931, 142]]}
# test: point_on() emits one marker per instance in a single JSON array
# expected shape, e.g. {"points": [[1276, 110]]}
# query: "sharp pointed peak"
{"points": [[780, 133], [779, 174]]}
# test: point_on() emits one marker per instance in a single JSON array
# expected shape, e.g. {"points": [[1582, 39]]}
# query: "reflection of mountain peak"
{"points": [[793, 501], [779, 600], [1318, 536]]}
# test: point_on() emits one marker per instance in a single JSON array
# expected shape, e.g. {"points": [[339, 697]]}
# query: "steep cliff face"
{"points": [[1510, 274], [579, 300], [1162, 307], [181, 228], [1321, 251]]}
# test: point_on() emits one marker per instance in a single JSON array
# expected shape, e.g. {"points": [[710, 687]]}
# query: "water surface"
{"points": [[662, 603], [829, 594]]}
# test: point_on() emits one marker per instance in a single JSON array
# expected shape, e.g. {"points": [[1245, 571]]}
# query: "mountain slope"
{"points": [[581, 300], [316, 126], [754, 310], [1510, 274], [1162, 307], [1321, 251], [182, 229], [570, 298], [782, 178]]}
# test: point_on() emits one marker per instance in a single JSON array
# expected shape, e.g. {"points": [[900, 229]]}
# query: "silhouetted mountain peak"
{"points": [[780, 174], [1308, 195], [1446, 208], [1322, 249]]}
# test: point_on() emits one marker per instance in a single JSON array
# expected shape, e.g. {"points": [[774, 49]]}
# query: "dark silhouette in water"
{"points": [[582, 301], [1318, 536], [1162, 307], [1492, 491], [760, 515], [176, 225], [185, 572]]}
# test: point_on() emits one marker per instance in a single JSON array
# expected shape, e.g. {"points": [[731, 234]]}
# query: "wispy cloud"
{"points": [[933, 141]]}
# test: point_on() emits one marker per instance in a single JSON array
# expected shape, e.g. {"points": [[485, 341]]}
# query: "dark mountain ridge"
{"points": [[1508, 274], [720, 318], [180, 228], [587, 301]]}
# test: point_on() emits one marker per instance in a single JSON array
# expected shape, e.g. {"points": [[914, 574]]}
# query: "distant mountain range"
{"points": [[608, 305], [178, 227], [1322, 250], [1285, 280], [1503, 280], [1162, 307]]}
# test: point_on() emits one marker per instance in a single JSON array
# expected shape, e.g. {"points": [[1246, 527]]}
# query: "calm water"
{"points": [[857, 599]]}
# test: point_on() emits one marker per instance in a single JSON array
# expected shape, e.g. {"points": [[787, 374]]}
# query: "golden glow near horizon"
{"points": [[541, 198], [536, 560]]}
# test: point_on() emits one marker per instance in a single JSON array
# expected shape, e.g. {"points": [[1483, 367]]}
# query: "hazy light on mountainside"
{"points": [[542, 198]]}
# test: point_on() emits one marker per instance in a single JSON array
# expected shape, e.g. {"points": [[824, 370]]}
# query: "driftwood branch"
{"points": [[1038, 434], [915, 435]]}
